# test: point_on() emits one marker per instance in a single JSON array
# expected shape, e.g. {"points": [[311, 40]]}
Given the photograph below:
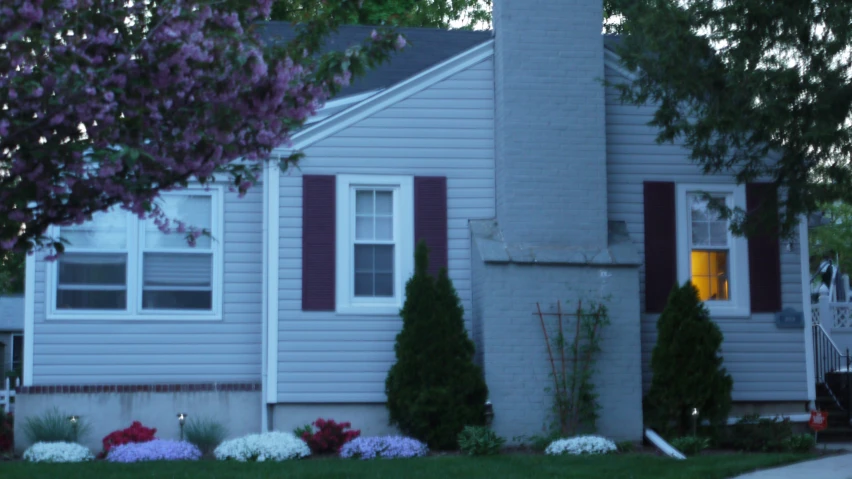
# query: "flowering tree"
{"points": [[106, 103]]}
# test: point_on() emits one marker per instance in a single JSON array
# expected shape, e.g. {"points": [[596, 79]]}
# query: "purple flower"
{"points": [[400, 42], [383, 447], [156, 450]]}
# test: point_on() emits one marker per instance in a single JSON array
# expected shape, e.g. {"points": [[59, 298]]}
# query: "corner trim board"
{"points": [[272, 261], [807, 311], [29, 318]]}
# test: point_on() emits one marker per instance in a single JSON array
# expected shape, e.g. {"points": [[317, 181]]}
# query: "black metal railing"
{"points": [[833, 369]]}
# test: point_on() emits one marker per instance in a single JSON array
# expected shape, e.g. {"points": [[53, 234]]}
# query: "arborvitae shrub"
{"points": [[687, 366], [434, 389]]}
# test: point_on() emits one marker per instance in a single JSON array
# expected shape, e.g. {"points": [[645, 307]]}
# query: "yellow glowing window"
{"points": [[710, 275], [709, 250]]}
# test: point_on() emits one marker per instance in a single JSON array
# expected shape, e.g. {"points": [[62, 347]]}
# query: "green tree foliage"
{"points": [[11, 272], [687, 365], [834, 238], [753, 88], [434, 389], [405, 13]]}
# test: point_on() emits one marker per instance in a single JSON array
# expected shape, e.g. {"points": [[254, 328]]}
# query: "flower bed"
{"points": [[156, 450], [384, 447], [581, 445], [270, 446], [57, 452], [136, 433]]}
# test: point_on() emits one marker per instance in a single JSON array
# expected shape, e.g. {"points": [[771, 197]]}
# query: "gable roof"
{"points": [[350, 115], [426, 48], [12, 313]]}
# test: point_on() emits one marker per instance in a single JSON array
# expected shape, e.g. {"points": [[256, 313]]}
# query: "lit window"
{"points": [[709, 255], [709, 247]]}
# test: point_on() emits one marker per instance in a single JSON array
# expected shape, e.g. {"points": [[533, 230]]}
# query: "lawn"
{"points": [[503, 467]]}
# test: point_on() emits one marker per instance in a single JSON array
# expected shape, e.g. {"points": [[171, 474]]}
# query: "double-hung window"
{"points": [[375, 227], [118, 266], [709, 255]]}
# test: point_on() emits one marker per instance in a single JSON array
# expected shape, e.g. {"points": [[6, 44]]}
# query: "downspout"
{"points": [[807, 312]]}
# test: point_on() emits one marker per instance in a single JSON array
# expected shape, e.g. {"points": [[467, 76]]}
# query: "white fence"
{"points": [[832, 315], [7, 393]]}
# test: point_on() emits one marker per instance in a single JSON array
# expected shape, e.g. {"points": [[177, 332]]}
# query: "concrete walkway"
{"points": [[834, 467]]}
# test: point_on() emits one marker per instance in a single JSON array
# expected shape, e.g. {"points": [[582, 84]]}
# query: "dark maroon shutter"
{"points": [[764, 251], [430, 218], [660, 244], [318, 243]]}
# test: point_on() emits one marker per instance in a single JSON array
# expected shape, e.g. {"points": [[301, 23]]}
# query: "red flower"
{"points": [[330, 436], [135, 433]]}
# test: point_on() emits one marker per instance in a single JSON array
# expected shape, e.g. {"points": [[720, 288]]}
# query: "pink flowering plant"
{"points": [[107, 104]]}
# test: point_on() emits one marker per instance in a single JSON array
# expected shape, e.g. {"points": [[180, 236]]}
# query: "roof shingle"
{"points": [[426, 48]]}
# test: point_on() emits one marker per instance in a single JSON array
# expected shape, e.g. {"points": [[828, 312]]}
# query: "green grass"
{"points": [[504, 467]]}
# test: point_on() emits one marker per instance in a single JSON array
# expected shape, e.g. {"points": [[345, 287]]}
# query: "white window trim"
{"points": [[134, 311], [403, 211], [739, 305]]}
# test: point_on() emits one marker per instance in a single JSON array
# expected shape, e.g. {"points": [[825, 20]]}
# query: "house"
{"points": [[525, 176], [11, 335]]}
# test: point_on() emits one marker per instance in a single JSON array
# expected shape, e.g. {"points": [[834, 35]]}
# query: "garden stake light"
{"points": [[73, 420], [694, 420], [181, 420]]}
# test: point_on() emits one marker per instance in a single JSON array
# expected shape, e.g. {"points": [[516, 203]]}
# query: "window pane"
{"points": [[719, 233], [105, 231], [710, 275], [384, 228], [384, 284], [17, 353], [180, 300], [384, 203], [194, 210], [700, 234], [94, 299], [91, 269], [364, 228], [374, 270], [92, 281], [177, 281], [364, 202]]}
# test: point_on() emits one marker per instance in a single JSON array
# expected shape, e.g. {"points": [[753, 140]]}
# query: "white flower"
{"points": [[581, 445], [270, 446], [57, 452]]}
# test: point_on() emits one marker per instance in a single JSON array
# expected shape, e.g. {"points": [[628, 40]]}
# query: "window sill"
{"points": [[731, 312], [369, 309], [119, 317]]}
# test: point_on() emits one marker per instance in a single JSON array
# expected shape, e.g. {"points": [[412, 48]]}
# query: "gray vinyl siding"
{"points": [[167, 351], [445, 130], [767, 364]]}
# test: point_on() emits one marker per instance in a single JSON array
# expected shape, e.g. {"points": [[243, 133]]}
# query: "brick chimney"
{"points": [[550, 122]]}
